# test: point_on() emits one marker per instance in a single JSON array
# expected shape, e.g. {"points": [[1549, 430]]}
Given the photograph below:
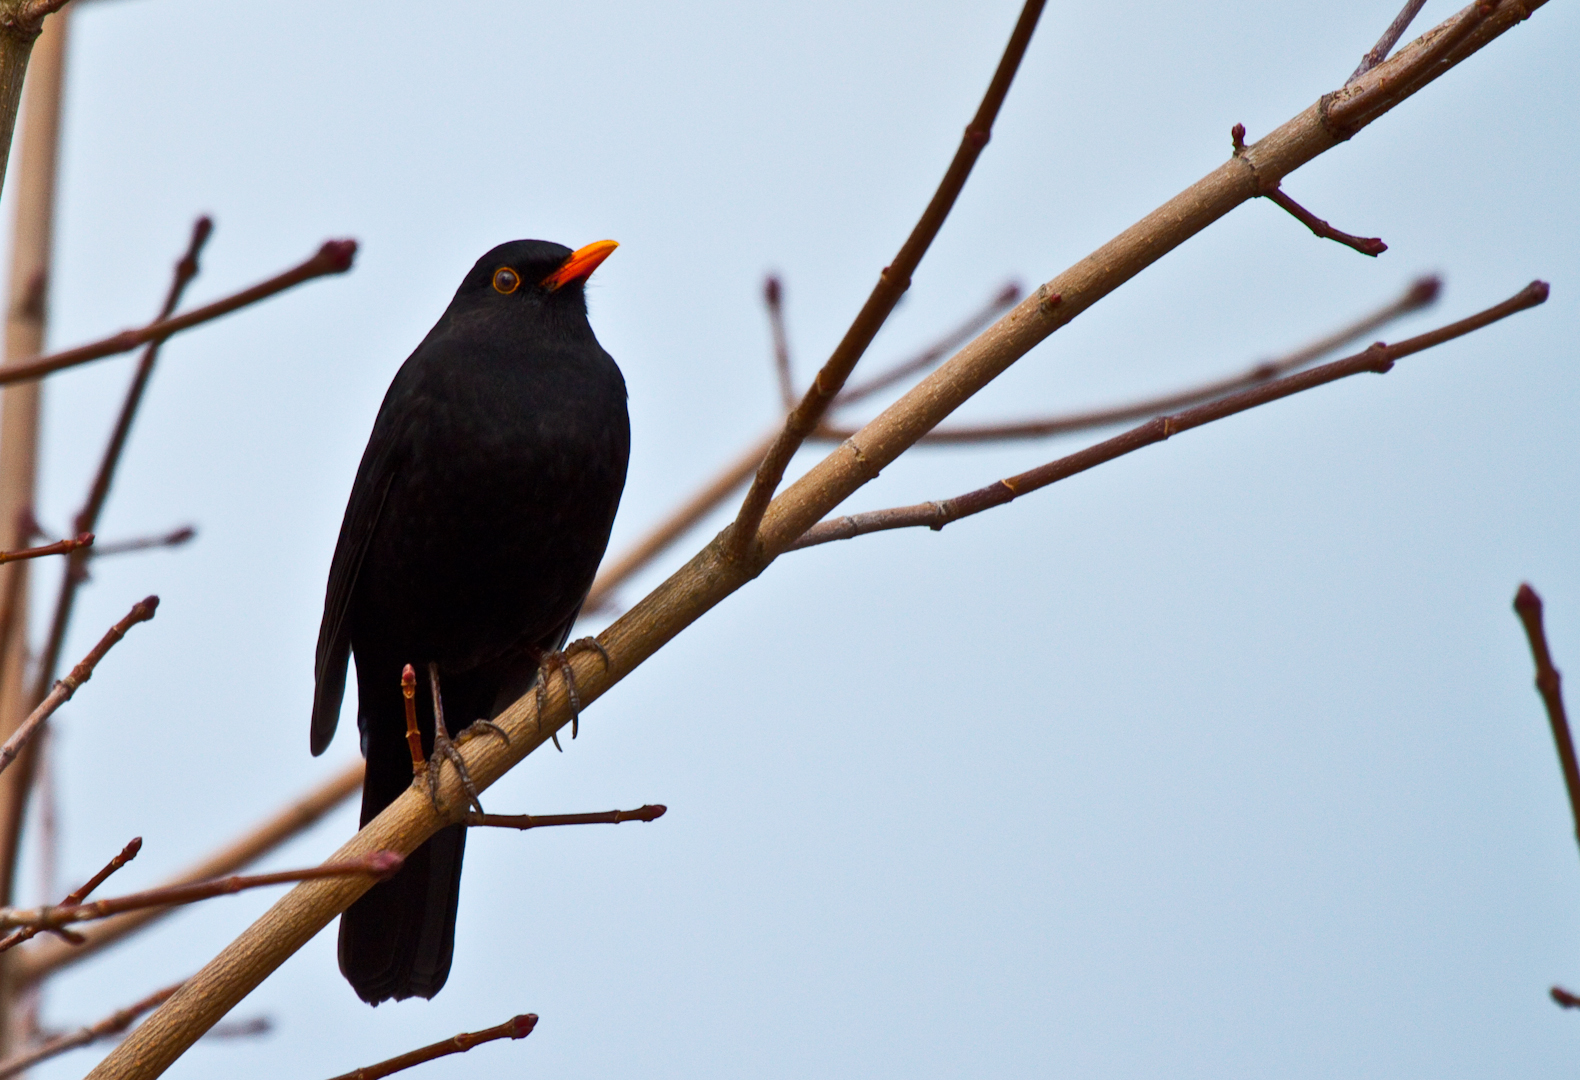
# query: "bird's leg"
{"points": [[560, 661], [444, 749]]}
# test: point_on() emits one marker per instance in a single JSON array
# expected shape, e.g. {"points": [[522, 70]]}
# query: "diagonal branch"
{"points": [[117, 1022], [1529, 608], [892, 283], [59, 547], [141, 611], [517, 1027], [714, 574], [78, 895], [1379, 52], [1422, 293], [1378, 358], [1366, 245], [334, 257], [45, 957]]}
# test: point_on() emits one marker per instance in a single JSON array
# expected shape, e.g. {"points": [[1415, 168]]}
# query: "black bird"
{"points": [[475, 525]]}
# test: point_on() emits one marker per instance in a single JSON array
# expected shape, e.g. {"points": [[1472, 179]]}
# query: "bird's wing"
{"points": [[334, 633]]}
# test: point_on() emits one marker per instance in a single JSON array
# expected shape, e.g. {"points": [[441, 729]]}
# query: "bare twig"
{"points": [[59, 547], [935, 515], [1379, 52], [1005, 298], [1548, 683], [334, 257], [1421, 293], [713, 574], [113, 1024], [78, 895], [408, 691], [239, 1029], [44, 957], [1366, 245], [773, 295], [141, 611], [173, 538], [892, 283], [650, 812], [377, 864], [1564, 998], [517, 1027]]}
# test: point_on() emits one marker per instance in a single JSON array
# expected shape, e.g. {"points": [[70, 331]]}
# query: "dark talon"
{"points": [[481, 727], [559, 661], [444, 749]]}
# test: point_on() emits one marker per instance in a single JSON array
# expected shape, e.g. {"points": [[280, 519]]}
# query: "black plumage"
{"points": [[476, 522]]}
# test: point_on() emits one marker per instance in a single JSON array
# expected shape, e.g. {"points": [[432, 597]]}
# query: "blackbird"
{"points": [[478, 516]]}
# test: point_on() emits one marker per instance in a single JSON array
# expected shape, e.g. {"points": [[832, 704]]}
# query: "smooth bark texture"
{"points": [[711, 576]]}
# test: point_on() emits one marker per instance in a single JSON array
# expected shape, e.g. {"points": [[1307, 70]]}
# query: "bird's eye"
{"points": [[506, 280]]}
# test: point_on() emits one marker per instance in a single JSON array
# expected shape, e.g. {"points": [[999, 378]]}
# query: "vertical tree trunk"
{"points": [[26, 312]]}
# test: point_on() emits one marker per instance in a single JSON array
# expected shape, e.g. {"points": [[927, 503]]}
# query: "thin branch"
{"points": [[650, 812], [141, 611], [78, 895], [1548, 683], [113, 1024], [1422, 293], [714, 574], [773, 295], [45, 957], [174, 538], [892, 283], [1379, 52], [1564, 998], [59, 547], [1378, 358], [1007, 297], [238, 1029], [1366, 245], [408, 692], [334, 257], [517, 1027], [377, 864]]}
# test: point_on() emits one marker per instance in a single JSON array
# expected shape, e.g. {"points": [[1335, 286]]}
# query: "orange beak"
{"points": [[582, 262]]}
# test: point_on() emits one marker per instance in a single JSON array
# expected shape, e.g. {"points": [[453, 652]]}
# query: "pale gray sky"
{"points": [[1222, 760]]}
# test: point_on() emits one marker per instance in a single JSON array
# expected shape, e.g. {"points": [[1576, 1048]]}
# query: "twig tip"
{"points": [[339, 254], [521, 1026], [772, 290], [385, 863], [1424, 291], [144, 609], [1526, 600]]}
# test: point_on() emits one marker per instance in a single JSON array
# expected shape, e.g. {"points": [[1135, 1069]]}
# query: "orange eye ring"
{"points": [[506, 280]]}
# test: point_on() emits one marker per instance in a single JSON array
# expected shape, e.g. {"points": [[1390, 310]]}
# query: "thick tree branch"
{"points": [[712, 574], [1529, 608], [935, 515], [892, 283], [141, 611], [517, 1027], [335, 257]]}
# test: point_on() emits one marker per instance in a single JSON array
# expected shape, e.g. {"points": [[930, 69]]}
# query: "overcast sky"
{"points": [[1221, 760]]}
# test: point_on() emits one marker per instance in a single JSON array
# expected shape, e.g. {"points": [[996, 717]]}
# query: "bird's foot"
{"points": [[560, 661], [445, 750]]}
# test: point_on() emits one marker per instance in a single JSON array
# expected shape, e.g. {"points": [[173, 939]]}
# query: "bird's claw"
{"points": [[478, 728], [560, 661], [445, 750]]}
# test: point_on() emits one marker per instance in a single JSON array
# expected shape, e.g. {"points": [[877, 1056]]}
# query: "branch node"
{"points": [[1237, 140]]}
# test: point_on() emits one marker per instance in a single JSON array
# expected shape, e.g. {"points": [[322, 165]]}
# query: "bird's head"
{"points": [[537, 273]]}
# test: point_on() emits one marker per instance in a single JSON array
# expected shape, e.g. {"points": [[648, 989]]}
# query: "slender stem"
{"points": [[1366, 245], [773, 297], [81, 893], [377, 864], [935, 515], [44, 957], [892, 283], [1564, 998], [334, 257], [141, 611], [1421, 293], [59, 547], [650, 812], [517, 1027], [1379, 52], [174, 538], [408, 691], [1548, 683], [114, 1024]]}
